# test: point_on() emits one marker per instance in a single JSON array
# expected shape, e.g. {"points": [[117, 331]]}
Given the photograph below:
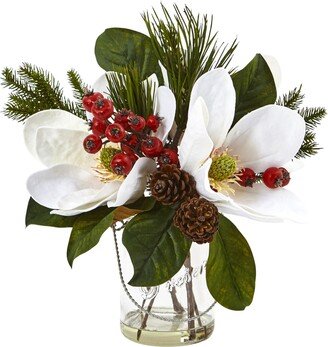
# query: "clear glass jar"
{"points": [[176, 313]]}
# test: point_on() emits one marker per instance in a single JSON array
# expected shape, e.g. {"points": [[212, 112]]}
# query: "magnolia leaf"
{"points": [[87, 231], [157, 248], [141, 205], [255, 87], [40, 215], [117, 48], [230, 270]]}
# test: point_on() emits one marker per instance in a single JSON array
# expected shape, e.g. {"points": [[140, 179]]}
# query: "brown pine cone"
{"points": [[170, 185], [197, 219]]}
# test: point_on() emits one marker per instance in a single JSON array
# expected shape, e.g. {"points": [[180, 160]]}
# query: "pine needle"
{"points": [[312, 117], [128, 91], [187, 47], [33, 89]]}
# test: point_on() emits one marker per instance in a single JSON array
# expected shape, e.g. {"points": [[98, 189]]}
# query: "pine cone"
{"points": [[197, 219], [170, 185]]}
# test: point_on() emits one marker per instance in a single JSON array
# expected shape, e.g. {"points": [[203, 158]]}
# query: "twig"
{"points": [[144, 322], [178, 308], [190, 299], [197, 311]]}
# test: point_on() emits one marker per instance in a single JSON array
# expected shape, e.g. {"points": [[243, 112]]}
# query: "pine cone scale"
{"points": [[197, 219], [170, 185]]}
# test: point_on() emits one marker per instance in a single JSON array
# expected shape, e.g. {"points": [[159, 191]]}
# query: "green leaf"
{"points": [[230, 270], [157, 248], [255, 87], [118, 47], [141, 205], [87, 231], [40, 215]]}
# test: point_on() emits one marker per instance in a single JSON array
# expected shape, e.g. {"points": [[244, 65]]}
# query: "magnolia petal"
{"points": [[101, 84], [51, 119], [217, 90], [88, 199], [152, 80], [134, 185], [196, 145], [235, 209], [268, 136], [48, 187], [165, 106], [277, 203], [203, 185], [63, 146]]}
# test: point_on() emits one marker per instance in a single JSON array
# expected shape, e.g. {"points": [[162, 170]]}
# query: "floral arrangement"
{"points": [[171, 140]]}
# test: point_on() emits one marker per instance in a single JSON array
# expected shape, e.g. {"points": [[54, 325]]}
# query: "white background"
{"points": [[45, 303]]}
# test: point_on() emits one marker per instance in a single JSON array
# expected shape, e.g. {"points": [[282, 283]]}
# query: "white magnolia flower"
{"points": [[268, 136], [70, 185]]}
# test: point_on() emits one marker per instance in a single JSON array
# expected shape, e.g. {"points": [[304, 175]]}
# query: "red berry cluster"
{"points": [[273, 177], [132, 131]]}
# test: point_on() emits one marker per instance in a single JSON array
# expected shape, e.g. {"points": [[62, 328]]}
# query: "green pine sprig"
{"points": [[293, 99], [129, 91], [79, 88], [187, 47], [312, 117], [34, 89]]}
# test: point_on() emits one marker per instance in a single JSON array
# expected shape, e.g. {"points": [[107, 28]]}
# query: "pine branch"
{"points": [[312, 117], [32, 90], [293, 99], [187, 47], [309, 146], [79, 88], [128, 91]]}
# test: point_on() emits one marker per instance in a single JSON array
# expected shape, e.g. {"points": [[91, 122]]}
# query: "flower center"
{"points": [[223, 167], [103, 168], [106, 156]]}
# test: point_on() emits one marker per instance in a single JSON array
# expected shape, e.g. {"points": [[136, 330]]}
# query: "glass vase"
{"points": [[178, 312]]}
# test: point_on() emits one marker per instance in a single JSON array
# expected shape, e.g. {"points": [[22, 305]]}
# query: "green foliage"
{"points": [[40, 215], [128, 90], [293, 99], [187, 48], [87, 227], [79, 88], [312, 116], [32, 90], [255, 87], [87, 231], [157, 248], [230, 270], [117, 48]]}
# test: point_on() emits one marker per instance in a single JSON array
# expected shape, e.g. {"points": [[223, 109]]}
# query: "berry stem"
{"points": [[177, 137]]}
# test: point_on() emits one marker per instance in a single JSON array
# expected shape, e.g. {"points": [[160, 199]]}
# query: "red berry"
{"points": [[247, 177], [273, 177], [122, 117], [121, 164], [89, 99], [285, 176], [131, 140], [126, 149], [168, 156], [153, 122], [98, 126], [102, 108], [151, 147], [92, 144], [115, 132], [137, 123]]}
